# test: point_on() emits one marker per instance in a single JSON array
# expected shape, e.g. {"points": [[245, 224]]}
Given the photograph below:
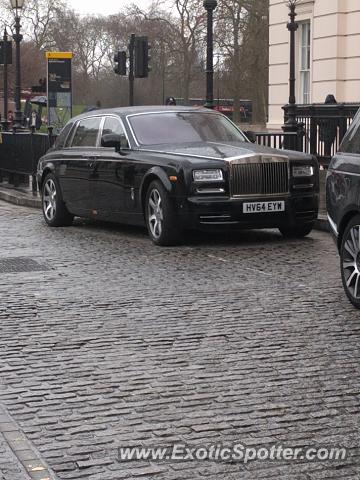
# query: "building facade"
{"points": [[327, 53]]}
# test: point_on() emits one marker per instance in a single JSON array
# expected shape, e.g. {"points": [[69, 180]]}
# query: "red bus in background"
{"points": [[223, 105]]}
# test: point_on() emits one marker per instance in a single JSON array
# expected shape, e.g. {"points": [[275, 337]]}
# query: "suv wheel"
{"points": [[350, 261]]}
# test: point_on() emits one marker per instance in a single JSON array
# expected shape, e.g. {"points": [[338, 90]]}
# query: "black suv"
{"points": [[343, 206]]}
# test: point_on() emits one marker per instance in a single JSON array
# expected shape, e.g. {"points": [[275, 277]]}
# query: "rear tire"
{"points": [[54, 210], [161, 219], [350, 261], [299, 231]]}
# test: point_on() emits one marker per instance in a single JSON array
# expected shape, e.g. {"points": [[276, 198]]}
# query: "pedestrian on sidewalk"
{"points": [[328, 128]]}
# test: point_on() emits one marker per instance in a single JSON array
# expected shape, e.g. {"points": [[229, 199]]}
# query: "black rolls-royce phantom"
{"points": [[174, 168]]}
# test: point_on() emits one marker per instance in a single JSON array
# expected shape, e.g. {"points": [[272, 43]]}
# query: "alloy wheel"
{"points": [[155, 213], [350, 261], [49, 199]]}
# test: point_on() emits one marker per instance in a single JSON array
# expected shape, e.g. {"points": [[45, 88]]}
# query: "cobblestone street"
{"points": [[108, 341]]}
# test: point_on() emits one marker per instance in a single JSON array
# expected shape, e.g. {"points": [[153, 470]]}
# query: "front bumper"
{"points": [[212, 212]]}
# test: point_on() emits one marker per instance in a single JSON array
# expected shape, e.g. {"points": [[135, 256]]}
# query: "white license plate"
{"points": [[264, 207]]}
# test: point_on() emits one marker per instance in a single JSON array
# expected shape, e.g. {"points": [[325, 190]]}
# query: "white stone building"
{"points": [[327, 53]]}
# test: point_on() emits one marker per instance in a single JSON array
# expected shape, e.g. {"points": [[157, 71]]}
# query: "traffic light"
{"points": [[120, 63], [8, 47], [142, 57]]}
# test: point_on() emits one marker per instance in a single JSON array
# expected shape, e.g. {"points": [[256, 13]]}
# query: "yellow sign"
{"points": [[59, 55]]}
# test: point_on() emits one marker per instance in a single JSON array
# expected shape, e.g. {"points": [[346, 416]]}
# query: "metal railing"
{"points": [[19, 155], [324, 127], [279, 140]]}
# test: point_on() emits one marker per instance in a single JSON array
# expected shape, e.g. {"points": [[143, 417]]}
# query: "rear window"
{"points": [[351, 142], [87, 132]]}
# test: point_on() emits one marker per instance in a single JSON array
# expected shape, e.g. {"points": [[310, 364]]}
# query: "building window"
{"points": [[305, 53]]}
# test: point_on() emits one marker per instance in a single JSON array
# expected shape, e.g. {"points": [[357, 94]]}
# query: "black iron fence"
{"points": [[279, 140], [20, 153], [324, 127]]}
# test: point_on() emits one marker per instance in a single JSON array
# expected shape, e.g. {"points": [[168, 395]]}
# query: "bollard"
{"points": [[34, 185], [51, 136]]}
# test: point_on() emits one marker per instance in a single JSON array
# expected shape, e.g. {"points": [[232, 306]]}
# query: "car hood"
{"points": [[221, 151]]}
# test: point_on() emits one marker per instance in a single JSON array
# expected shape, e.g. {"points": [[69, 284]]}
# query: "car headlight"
{"points": [[303, 171], [213, 175]]}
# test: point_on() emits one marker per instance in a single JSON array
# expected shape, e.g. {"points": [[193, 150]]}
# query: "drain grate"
{"points": [[20, 264]]}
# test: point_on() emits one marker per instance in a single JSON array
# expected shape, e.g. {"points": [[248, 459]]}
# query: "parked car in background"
{"points": [[175, 168], [343, 206]]}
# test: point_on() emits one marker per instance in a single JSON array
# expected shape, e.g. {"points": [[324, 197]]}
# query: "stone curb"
{"points": [[19, 198], [322, 223], [29, 460]]}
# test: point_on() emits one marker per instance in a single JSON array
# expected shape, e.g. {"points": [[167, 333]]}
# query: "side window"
{"points": [[60, 141], [351, 142], [112, 125], [87, 132]]}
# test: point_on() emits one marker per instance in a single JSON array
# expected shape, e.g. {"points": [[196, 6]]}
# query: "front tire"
{"points": [[161, 218], [54, 210], [298, 231], [350, 261]]}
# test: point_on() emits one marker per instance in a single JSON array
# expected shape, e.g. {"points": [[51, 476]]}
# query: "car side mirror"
{"points": [[124, 144], [111, 140], [114, 140], [251, 136]]}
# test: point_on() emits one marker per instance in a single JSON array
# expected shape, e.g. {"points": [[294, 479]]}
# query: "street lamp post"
{"points": [[218, 80], [210, 6], [291, 125], [17, 5], [5, 122]]}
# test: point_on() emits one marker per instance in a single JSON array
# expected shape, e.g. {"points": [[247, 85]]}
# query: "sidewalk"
{"points": [[25, 197], [19, 196]]}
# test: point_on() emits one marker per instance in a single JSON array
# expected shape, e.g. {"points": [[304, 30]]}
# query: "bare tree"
{"points": [[232, 17], [37, 17], [190, 31], [256, 57], [178, 38]]}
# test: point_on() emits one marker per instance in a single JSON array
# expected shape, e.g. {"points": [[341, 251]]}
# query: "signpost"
{"points": [[59, 88]]}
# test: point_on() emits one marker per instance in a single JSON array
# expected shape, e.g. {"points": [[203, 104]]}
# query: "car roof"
{"points": [[124, 111]]}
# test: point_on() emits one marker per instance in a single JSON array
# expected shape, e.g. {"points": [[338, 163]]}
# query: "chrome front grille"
{"points": [[259, 176]]}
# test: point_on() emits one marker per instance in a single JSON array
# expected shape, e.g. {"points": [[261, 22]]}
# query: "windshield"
{"points": [[183, 127]]}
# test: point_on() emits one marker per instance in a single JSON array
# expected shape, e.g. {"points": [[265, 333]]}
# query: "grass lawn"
{"points": [[77, 109]]}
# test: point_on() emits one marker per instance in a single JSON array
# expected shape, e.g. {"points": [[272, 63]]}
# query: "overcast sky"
{"points": [[105, 7]]}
